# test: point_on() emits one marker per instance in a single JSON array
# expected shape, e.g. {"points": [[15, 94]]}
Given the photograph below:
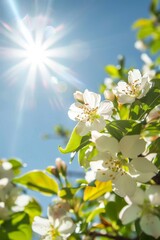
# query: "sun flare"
{"points": [[36, 54], [31, 43]]}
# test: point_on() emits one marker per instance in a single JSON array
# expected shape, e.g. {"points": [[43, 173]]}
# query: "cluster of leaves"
{"points": [[94, 206]]}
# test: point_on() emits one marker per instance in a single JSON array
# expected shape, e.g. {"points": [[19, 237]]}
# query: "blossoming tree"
{"points": [[116, 141]]}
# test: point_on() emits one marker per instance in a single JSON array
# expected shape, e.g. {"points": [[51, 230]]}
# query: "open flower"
{"points": [[144, 205], [58, 226], [90, 112], [119, 162], [137, 87]]}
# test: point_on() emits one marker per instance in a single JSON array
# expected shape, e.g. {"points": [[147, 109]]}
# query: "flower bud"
{"points": [[61, 166], [78, 96], [109, 95]]}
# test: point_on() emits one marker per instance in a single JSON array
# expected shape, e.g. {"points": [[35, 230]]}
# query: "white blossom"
{"points": [[137, 87], [90, 112], [148, 65], [58, 226], [120, 162], [144, 205], [6, 170]]}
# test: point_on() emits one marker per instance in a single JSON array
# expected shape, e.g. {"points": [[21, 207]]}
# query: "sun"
{"points": [[31, 45], [36, 54]]}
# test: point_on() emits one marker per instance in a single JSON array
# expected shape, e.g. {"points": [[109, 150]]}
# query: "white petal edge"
{"points": [[41, 225]]}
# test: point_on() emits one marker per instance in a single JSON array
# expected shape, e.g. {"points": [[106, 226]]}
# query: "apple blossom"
{"points": [[144, 205], [137, 87], [58, 226], [90, 112], [120, 164]]}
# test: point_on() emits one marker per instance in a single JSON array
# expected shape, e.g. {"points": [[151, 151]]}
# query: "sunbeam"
{"points": [[31, 43]]}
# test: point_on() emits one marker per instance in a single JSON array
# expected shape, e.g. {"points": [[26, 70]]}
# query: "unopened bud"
{"points": [[109, 95], [78, 96], [61, 166], [53, 170]]}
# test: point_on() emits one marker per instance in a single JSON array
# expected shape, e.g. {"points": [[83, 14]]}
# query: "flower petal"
{"points": [[144, 165], [98, 124], [138, 197], [125, 98], [133, 76], [67, 226], [125, 185], [75, 110], [41, 225], [153, 193], [150, 224], [109, 144], [105, 109], [82, 129], [92, 99], [129, 213], [131, 145]]}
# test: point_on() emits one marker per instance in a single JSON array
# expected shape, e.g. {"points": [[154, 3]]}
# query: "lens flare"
{"points": [[36, 55], [31, 44]]}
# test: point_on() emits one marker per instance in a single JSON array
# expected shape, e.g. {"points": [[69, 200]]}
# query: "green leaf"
{"points": [[73, 143], [112, 71], [39, 181], [16, 165], [144, 105], [143, 236], [154, 46], [94, 213], [102, 88], [152, 129], [144, 32], [92, 193], [16, 228], [154, 146], [142, 22], [113, 208], [137, 109], [33, 209], [120, 128], [85, 155]]}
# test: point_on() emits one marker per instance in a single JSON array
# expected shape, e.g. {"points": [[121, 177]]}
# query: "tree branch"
{"points": [[97, 234]]}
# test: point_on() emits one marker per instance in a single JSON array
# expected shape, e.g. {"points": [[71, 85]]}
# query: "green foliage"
{"points": [[39, 181], [143, 106], [16, 228], [16, 165], [120, 128], [73, 143], [112, 71]]}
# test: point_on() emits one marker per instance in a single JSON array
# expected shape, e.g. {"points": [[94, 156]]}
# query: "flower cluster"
{"points": [[11, 197], [120, 162], [58, 225], [137, 87], [116, 148], [146, 206]]}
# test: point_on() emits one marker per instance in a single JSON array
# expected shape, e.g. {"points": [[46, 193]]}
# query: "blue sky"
{"points": [[101, 30]]}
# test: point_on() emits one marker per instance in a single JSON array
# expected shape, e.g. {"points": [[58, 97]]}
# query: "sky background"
{"points": [[99, 31]]}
